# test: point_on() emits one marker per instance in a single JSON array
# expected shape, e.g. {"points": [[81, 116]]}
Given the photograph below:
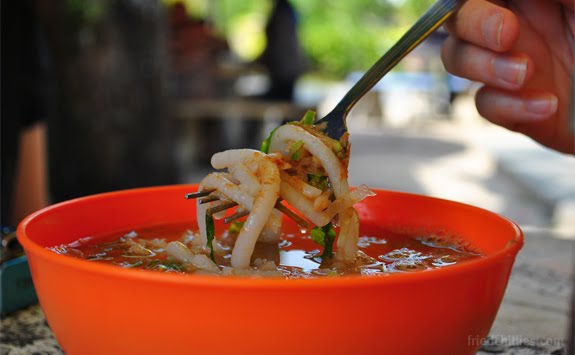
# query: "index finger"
{"points": [[486, 24]]}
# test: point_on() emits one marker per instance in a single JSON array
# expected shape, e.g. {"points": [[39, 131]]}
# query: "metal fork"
{"points": [[334, 124], [206, 196]]}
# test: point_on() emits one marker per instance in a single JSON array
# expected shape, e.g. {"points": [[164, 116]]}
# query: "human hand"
{"points": [[523, 51]]}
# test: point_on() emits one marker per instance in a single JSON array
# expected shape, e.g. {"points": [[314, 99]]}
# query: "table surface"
{"points": [[533, 318]]}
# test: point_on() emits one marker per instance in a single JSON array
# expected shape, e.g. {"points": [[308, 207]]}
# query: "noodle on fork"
{"points": [[297, 192], [257, 190], [299, 165]]}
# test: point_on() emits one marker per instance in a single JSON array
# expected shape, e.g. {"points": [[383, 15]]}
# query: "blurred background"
{"points": [[102, 95], [127, 93]]}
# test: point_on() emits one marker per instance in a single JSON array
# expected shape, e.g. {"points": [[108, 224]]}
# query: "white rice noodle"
{"points": [[347, 240], [302, 187], [273, 228], [348, 235], [222, 198], [322, 202], [348, 200], [303, 205], [247, 179], [181, 253], [260, 204], [288, 134], [226, 188], [349, 221], [255, 183], [321, 218]]}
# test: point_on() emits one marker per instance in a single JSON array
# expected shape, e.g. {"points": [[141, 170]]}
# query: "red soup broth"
{"points": [[381, 251]]}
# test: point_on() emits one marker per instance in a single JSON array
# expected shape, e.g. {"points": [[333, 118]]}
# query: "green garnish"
{"points": [[324, 236], [236, 227], [170, 265], [318, 181], [337, 147], [136, 264], [308, 118], [295, 150], [164, 265], [265, 148], [318, 236], [152, 264], [210, 232]]}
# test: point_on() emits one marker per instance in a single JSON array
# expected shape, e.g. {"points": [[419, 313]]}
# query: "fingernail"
{"points": [[492, 28], [542, 106], [510, 70]]}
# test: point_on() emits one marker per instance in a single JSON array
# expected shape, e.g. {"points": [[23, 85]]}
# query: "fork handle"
{"points": [[429, 22]]}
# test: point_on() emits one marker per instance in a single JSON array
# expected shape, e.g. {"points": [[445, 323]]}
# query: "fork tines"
{"points": [[236, 215], [283, 209], [226, 205], [208, 199], [199, 194], [219, 208]]}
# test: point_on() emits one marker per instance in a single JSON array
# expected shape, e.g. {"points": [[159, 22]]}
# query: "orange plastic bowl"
{"points": [[102, 309]]}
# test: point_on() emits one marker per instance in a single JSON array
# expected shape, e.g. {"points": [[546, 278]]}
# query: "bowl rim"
{"points": [[253, 283]]}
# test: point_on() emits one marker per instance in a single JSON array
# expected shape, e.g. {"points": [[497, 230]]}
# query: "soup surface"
{"points": [[295, 256]]}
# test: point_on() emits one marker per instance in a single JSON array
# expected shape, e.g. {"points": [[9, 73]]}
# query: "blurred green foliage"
{"points": [[343, 36], [87, 11], [339, 36]]}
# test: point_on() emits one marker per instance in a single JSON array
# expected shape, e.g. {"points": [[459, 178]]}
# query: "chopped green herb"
{"points": [[329, 239], [152, 264], [170, 265], [318, 181], [295, 150], [236, 227], [211, 232], [165, 265], [265, 148], [308, 118], [324, 236], [337, 147], [318, 236], [136, 264]]}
